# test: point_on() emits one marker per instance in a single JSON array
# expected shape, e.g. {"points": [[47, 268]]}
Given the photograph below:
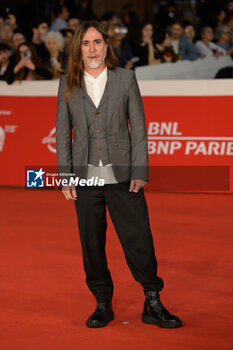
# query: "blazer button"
{"points": [[97, 113], [100, 148], [98, 130]]}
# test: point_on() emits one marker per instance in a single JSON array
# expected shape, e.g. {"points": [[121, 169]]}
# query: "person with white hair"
{"points": [[223, 36], [54, 43]]}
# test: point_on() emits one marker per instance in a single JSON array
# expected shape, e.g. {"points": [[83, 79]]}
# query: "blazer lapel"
{"points": [[113, 88], [86, 94], [78, 105]]}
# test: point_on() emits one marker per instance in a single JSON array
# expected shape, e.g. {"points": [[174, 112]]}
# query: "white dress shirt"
{"points": [[175, 45], [95, 89]]}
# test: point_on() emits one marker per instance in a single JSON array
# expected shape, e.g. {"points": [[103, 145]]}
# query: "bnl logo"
{"points": [[35, 178]]}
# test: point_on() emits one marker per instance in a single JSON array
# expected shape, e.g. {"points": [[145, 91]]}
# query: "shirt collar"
{"points": [[102, 74]]}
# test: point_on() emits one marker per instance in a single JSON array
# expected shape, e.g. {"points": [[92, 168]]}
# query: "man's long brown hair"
{"points": [[75, 69]]}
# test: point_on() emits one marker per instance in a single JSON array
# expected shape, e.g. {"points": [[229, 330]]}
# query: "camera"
{"points": [[27, 54], [120, 29]]}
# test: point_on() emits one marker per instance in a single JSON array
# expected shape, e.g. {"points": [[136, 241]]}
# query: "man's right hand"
{"points": [[69, 192]]}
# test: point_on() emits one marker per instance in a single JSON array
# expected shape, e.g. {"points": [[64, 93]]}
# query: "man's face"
{"points": [[176, 30], [6, 33], [114, 32], [190, 32], [17, 39], [111, 26], [4, 56], [64, 14], [42, 30], [208, 34], [114, 20], [230, 6], [73, 24], [68, 38], [93, 48]]}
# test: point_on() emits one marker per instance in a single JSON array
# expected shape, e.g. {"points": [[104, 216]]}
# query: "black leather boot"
{"points": [[155, 313], [101, 316]]}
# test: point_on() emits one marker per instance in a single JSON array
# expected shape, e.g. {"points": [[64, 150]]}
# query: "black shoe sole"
{"points": [[96, 324], [151, 320]]}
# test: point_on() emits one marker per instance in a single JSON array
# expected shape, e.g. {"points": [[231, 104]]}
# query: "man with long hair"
{"points": [[101, 103]]}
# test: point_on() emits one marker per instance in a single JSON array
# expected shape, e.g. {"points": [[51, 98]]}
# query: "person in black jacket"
{"points": [[163, 50], [121, 45], [144, 46], [40, 28], [6, 62], [28, 65]]}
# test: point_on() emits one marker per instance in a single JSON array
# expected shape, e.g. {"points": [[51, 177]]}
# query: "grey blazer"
{"points": [[126, 129]]}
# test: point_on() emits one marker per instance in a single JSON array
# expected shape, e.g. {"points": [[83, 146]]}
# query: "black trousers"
{"points": [[129, 214]]}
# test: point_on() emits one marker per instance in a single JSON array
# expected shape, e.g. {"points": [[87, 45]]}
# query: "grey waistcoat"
{"points": [[97, 127]]}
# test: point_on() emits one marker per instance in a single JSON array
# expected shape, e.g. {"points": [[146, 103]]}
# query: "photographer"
{"points": [[121, 46], [28, 65]]}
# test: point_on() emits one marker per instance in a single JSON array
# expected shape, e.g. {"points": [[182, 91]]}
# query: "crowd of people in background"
{"points": [[172, 33]]}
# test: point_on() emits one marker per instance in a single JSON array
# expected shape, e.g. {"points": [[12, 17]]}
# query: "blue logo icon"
{"points": [[35, 178]]}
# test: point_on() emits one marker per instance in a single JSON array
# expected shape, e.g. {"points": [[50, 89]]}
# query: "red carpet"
{"points": [[44, 298]]}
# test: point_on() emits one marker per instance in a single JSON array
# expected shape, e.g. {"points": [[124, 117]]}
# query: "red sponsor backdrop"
{"points": [[190, 140]]}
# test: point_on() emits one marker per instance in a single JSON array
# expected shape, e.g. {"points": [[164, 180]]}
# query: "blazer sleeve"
{"points": [[63, 135], [138, 132]]}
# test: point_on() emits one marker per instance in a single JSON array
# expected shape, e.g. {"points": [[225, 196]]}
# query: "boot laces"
{"points": [[156, 303]]}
